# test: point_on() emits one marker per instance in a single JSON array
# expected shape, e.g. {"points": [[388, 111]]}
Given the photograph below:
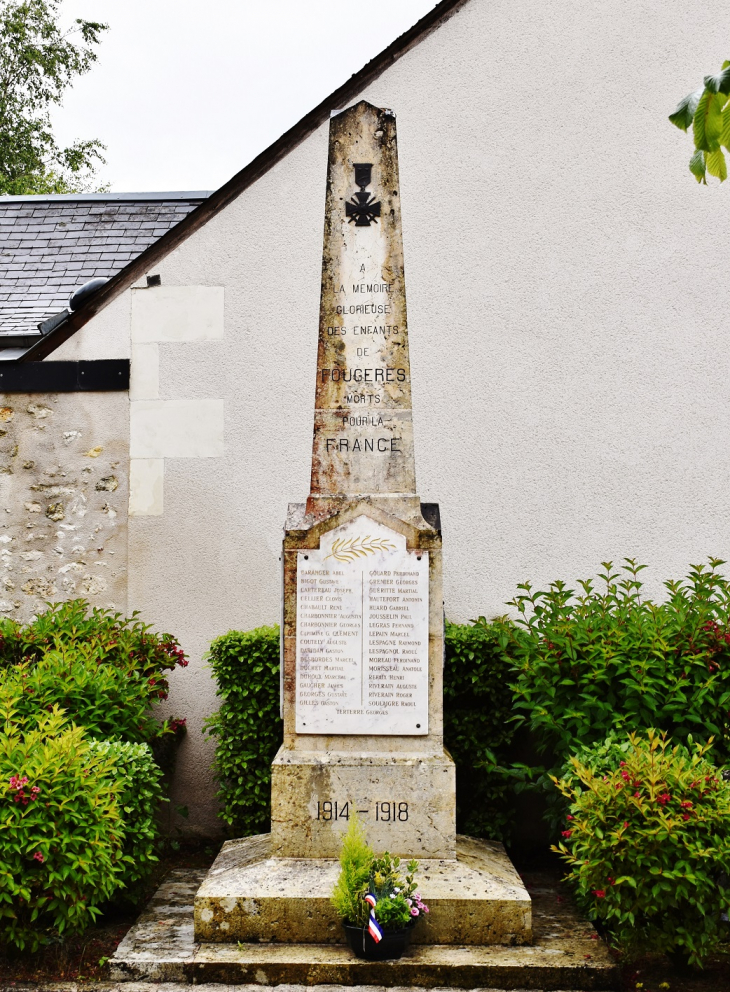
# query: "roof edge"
{"points": [[200, 194], [252, 172]]}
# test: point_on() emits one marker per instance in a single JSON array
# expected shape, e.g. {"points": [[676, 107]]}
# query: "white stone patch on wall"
{"points": [[176, 429], [144, 382], [146, 487], [93, 585], [162, 429], [63, 532], [177, 313]]}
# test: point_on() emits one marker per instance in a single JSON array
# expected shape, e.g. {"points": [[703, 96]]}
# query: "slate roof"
{"points": [[51, 245]]}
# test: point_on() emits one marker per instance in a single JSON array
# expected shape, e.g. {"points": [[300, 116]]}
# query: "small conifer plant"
{"points": [[356, 858]]}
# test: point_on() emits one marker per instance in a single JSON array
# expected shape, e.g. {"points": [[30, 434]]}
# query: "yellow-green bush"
{"points": [[138, 779], [61, 833]]}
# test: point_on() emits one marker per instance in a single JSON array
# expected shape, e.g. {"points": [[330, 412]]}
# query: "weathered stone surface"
{"points": [[131, 986], [475, 898], [161, 943], [344, 768], [426, 966], [405, 802], [201, 987], [566, 954], [362, 487], [63, 524], [305, 533], [349, 747], [363, 431]]}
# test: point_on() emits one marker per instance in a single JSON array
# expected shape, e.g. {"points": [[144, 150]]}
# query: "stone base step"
{"points": [[249, 895], [161, 947], [425, 966]]}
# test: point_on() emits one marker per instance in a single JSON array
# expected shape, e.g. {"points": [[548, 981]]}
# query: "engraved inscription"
{"points": [[362, 634], [362, 361], [389, 811]]}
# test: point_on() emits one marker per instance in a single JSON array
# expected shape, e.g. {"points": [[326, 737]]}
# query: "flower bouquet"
{"points": [[378, 905]]}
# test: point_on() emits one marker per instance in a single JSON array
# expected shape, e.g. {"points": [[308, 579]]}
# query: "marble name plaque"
{"points": [[362, 634]]}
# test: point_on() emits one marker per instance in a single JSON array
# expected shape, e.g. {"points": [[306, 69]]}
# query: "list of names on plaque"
{"points": [[362, 634]]}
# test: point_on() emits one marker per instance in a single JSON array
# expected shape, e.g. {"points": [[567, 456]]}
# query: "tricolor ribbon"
{"points": [[373, 926]]}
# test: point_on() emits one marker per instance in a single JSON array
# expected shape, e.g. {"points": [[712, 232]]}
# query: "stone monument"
{"points": [[363, 625]]}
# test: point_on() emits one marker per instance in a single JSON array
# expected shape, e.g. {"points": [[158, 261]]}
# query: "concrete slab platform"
{"points": [[476, 898], [566, 954]]}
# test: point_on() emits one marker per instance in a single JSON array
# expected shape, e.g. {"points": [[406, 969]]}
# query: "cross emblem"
{"points": [[362, 208]]}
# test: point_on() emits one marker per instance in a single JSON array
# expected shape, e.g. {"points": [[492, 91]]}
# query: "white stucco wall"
{"points": [[567, 292]]}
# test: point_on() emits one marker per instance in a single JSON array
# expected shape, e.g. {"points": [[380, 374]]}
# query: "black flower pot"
{"points": [[392, 945]]}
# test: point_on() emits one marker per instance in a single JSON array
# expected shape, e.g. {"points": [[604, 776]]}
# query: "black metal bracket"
{"points": [[104, 375]]}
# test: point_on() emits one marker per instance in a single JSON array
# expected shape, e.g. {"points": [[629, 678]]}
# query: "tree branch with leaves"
{"points": [[39, 61], [707, 112]]}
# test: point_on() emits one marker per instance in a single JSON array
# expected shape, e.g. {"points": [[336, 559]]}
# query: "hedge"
{"points": [[478, 724], [139, 781], [607, 660], [247, 727]]}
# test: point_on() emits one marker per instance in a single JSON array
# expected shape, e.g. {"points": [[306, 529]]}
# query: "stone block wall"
{"points": [[63, 500]]}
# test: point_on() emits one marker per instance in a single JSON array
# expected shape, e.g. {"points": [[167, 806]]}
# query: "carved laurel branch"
{"points": [[348, 549]]}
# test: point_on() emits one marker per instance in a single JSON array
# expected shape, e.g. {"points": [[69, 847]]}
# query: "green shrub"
{"points": [[105, 701], [247, 726], [60, 829], [105, 671], [477, 723], [610, 660], [140, 791], [646, 839]]}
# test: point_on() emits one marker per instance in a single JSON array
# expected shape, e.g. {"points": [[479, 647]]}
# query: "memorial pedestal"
{"points": [[476, 898], [423, 783], [276, 888]]}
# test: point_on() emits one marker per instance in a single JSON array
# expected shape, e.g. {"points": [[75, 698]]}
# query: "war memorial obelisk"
{"points": [[363, 622]]}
